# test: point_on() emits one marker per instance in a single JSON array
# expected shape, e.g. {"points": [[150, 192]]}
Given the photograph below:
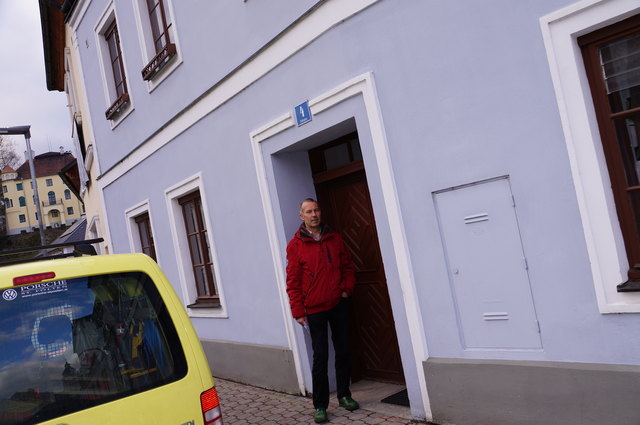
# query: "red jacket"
{"points": [[318, 272]]}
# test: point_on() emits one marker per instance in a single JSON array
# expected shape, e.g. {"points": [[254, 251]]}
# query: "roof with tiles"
{"points": [[7, 169], [46, 164]]}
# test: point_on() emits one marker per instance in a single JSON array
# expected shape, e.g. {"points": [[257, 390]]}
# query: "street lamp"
{"points": [[24, 130]]}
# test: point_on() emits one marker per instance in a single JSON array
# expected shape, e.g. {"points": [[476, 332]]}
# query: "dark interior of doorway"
{"points": [[341, 187], [401, 398]]}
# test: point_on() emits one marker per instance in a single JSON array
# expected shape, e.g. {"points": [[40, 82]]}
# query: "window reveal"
{"points": [[146, 236], [199, 249], [117, 68], [164, 48]]}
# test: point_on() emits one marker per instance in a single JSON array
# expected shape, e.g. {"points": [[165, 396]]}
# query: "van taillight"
{"points": [[211, 407], [33, 278]]}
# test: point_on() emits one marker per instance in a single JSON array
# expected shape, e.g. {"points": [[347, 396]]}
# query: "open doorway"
{"points": [[341, 186]]}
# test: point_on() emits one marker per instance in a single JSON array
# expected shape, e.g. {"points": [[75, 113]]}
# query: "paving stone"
{"points": [[372, 420], [247, 405]]}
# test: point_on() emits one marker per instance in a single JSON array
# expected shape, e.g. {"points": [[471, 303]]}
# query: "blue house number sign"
{"points": [[303, 113]]}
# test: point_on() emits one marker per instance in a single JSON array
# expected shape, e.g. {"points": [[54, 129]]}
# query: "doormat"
{"points": [[400, 398]]}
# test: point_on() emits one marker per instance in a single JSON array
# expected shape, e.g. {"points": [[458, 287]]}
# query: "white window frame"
{"points": [[92, 232], [181, 247], [107, 17], [600, 224], [135, 244], [145, 38]]}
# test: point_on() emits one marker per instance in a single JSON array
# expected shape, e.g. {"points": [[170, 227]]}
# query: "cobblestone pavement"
{"points": [[244, 404]]}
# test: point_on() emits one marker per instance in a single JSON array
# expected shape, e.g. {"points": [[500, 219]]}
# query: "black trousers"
{"points": [[338, 319]]}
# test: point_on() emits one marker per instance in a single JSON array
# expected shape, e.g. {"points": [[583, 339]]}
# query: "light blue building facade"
{"points": [[457, 145]]}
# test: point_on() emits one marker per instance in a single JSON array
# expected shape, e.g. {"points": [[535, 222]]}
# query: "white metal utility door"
{"points": [[487, 266]]}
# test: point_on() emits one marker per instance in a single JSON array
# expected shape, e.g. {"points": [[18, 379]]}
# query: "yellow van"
{"points": [[99, 340]]}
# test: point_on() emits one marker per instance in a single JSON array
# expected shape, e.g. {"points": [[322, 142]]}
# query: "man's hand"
{"points": [[302, 320], [345, 295]]}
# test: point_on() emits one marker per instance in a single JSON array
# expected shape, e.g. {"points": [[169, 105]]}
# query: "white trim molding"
{"points": [[363, 86], [93, 232], [602, 232], [181, 247]]}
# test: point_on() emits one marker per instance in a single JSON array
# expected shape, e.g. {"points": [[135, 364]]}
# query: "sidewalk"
{"points": [[244, 404]]}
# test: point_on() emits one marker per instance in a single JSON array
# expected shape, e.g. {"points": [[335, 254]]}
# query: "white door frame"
{"points": [[362, 85]]}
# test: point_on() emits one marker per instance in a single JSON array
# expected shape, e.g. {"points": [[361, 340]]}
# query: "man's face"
{"points": [[310, 214]]}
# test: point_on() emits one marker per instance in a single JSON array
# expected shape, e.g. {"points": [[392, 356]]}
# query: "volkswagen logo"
{"points": [[9, 294]]}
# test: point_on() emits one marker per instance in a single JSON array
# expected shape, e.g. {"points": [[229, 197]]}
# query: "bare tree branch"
{"points": [[8, 153]]}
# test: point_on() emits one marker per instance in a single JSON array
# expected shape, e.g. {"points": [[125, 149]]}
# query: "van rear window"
{"points": [[72, 344]]}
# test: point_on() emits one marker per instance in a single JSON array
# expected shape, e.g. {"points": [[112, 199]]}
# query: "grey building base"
{"points": [[259, 365], [498, 392]]}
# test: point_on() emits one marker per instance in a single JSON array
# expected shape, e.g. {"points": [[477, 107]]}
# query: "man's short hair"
{"points": [[307, 200]]}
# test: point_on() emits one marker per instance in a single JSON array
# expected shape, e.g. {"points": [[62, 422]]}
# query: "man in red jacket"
{"points": [[320, 280]]}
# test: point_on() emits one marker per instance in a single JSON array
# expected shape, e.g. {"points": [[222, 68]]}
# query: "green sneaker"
{"points": [[320, 416], [349, 403]]}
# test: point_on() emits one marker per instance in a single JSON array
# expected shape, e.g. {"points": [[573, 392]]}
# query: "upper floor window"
{"points": [[117, 68], [18, 186], [22, 201], [52, 198], [70, 211], [22, 218], [612, 61], [67, 194], [49, 182], [113, 67], [4, 189], [8, 202], [160, 37]]}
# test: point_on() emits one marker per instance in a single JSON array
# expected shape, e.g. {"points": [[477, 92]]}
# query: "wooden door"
{"points": [[346, 207]]}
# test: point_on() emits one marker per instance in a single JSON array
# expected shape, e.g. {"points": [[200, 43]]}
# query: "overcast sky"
{"points": [[24, 98]]}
